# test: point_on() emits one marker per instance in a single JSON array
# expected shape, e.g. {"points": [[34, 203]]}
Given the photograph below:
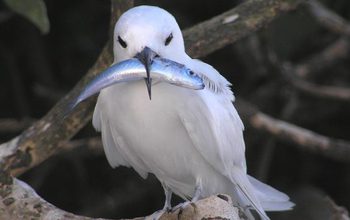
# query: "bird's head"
{"points": [[146, 32], [147, 27]]}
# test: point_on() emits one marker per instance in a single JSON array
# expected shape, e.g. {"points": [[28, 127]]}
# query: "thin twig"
{"points": [[23, 203], [305, 139], [327, 18], [249, 16], [297, 75], [339, 49], [321, 91]]}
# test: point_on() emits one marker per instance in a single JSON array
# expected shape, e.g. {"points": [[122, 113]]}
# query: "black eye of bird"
{"points": [[122, 42], [191, 73], [168, 39]]}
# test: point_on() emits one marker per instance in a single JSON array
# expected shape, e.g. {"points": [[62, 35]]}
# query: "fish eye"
{"points": [[191, 73], [168, 39], [122, 42]]}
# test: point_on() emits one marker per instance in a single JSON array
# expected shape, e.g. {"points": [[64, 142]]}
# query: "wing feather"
{"points": [[101, 123], [216, 131], [115, 148]]}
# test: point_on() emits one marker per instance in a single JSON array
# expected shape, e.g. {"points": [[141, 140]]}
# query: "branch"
{"points": [[329, 92], [305, 139], [339, 49], [326, 58], [233, 25], [23, 203], [327, 18], [297, 74], [214, 207]]}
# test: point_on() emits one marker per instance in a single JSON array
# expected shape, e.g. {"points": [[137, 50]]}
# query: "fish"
{"points": [[162, 70]]}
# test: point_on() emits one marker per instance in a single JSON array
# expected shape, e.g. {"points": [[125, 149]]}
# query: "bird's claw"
{"points": [[182, 206], [156, 215], [168, 209]]}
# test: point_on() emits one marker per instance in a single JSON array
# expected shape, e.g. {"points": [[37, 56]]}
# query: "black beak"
{"points": [[146, 56]]}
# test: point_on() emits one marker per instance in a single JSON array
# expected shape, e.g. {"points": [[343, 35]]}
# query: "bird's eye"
{"points": [[168, 39], [122, 42], [191, 73]]}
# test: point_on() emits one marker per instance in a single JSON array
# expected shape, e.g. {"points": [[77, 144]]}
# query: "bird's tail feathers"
{"points": [[247, 192], [270, 198]]}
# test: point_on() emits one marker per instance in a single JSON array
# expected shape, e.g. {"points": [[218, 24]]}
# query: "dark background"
{"points": [[36, 70]]}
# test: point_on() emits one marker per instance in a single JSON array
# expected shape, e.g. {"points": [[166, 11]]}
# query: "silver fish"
{"points": [[163, 70]]}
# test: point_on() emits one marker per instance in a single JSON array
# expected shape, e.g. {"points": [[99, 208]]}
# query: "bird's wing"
{"points": [[117, 153], [216, 131], [101, 123], [213, 119]]}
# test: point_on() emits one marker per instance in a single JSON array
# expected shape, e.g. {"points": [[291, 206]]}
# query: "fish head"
{"points": [[177, 74], [185, 77], [192, 80]]}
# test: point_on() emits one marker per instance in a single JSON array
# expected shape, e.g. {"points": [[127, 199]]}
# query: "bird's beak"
{"points": [[146, 56]]}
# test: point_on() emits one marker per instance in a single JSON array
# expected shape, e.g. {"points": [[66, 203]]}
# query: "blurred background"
{"points": [[37, 69]]}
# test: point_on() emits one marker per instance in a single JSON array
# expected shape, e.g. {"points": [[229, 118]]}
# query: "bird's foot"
{"points": [[156, 215], [182, 206]]}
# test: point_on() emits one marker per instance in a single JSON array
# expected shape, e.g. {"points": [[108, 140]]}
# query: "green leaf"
{"points": [[33, 10]]}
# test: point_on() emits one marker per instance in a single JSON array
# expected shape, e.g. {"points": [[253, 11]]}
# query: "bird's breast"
{"points": [[154, 135], [152, 128]]}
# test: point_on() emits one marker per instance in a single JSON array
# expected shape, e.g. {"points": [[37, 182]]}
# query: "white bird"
{"points": [[191, 140]]}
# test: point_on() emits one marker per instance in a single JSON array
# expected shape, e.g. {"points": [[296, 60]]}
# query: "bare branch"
{"points": [[328, 18], [297, 74], [233, 25], [303, 138], [326, 58], [339, 49], [329, 92], [23, 203]]}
